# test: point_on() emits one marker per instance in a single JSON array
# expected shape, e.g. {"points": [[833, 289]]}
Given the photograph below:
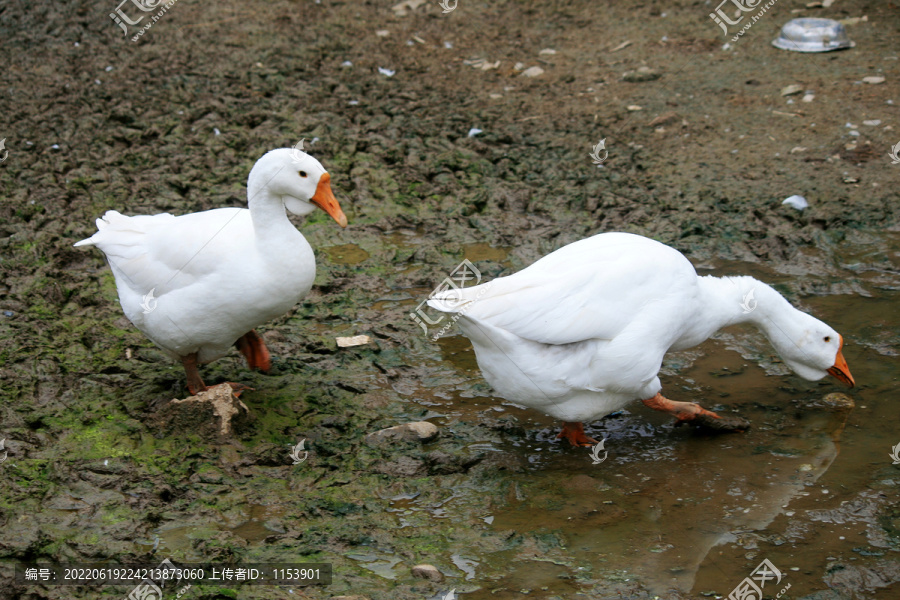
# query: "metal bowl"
{"points": [[813, 35]]}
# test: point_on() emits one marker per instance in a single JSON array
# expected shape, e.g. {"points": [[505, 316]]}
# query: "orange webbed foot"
{"points": [[691, 412], [574, 432]]}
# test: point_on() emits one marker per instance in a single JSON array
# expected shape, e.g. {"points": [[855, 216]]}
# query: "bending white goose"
{"points": [[583, 331], [199, 283]]}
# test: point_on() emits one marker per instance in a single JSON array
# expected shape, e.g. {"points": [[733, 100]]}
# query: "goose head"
{"points": [[299, 180], [810, 348]]}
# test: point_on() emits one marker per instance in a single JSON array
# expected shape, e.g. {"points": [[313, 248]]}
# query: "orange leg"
{"points": [[693, 412], [254, 349], [195, 383], [574, 432]]}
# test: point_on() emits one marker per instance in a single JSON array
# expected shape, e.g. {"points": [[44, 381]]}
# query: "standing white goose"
{"points": [[583, 331], [199, 283]]}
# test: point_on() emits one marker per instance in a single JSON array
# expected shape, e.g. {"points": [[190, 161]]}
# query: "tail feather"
{"points": [[109, 218]]}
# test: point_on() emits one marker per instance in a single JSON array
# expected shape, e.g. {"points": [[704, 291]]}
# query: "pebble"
{"points": [[791, 89], [429, 572], [532, 72], [386, 72], [349, 342], [872, 123], [421, 431], [382, 33], [808, 97], [473, 132], [641, 75], [547, 51], [634, 107], [873, 79]]}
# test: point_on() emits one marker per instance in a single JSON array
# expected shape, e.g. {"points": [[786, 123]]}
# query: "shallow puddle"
{"points": [[345, 254]]}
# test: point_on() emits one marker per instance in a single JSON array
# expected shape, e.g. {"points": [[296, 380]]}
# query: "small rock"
{"points": [[641, 75], [532, 72], [873, 79], [633, 108], [808, 97], [403, 8], [838, 400], [382, 33], [349, 342], [791, 89], [386, 72], [547, 51], [473, 132], [429, 572], [419, 431], [872, 123]]}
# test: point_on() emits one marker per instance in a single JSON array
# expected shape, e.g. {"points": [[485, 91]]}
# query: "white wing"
{"points": [[590, 289]]}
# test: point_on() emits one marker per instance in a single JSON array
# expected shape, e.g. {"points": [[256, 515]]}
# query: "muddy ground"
{"points": [[173, 122]]}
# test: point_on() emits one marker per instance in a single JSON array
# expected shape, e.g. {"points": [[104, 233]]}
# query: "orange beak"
{"points": [[324, 199], [840, 369]]}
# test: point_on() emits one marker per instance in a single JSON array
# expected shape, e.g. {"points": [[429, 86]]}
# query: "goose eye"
{"points": [[827, 338], [302, 173]]}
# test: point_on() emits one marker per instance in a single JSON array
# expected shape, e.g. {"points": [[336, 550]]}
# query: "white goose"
{"points": [[583, 331], [199, 283]]}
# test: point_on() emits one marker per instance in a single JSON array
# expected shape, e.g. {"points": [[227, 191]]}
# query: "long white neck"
{"points": [[732, 300], [266, 208]]}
